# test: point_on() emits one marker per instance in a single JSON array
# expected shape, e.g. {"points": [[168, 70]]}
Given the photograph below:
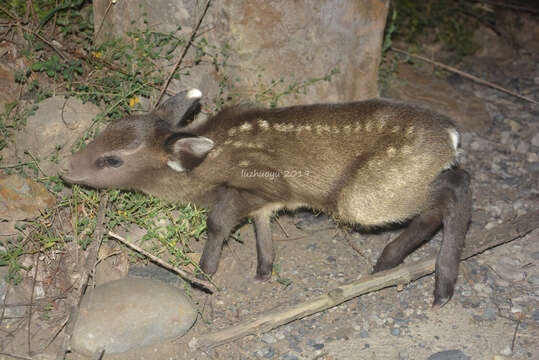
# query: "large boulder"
{"points": [[297, 40]]}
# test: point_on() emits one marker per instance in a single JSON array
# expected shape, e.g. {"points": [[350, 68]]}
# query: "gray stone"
{"points": [[128, 314], [395, 331], [533, 279], [268, 339], [535, 140], [59, 122], [449, 355], [509, 269], [490, 313], [506, 351], [290, 39]]}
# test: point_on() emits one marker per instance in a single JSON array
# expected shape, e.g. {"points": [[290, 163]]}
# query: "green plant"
{"points": [[451, 22]]}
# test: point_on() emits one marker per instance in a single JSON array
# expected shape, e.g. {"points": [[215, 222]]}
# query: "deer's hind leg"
{"points": [[449, 204]]}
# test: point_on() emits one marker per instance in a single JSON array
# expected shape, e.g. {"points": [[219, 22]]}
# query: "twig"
{"points": [[403, 274], [512, 7], [103, 20], [30, 308], [465, 74], [281, 226], [15, 356], [515, 335], [184, 52], [187, 276]]}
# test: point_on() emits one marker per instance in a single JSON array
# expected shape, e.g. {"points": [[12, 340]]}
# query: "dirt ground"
{"points": [[494, 313]]}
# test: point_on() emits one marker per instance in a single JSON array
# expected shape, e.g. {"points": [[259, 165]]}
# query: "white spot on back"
{"points": [[368, 126], [232, 131], [347, 129], [395, 129], [244, 163]]}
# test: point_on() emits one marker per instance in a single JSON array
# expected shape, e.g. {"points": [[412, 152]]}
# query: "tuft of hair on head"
{"points": [[194, 94]]}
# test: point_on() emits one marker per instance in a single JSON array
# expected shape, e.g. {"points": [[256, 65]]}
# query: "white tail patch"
{"points": [[194, 94], [454, 136]]}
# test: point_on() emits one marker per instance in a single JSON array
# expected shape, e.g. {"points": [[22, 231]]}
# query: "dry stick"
{"points": [[466, 75], [91, 258], [513, 7], [187, 276], [15, 356], [403, 274], [185, 48]]}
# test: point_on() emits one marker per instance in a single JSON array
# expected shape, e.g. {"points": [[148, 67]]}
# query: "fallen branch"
{"points": [[501, 234], [465, 74], [184, 274]]}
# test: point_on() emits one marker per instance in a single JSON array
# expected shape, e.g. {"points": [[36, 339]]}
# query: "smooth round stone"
{"points": [[127, 314]]}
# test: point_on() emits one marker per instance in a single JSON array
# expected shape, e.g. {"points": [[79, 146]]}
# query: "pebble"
{"points": [[535, 140], [289, 357], [490, 313], [535, 315], [535, 255], [449, 355], [268, 339], [533, 279], [506, 351], [131, 313], [267, 353], [395, 331], [363, 334]]}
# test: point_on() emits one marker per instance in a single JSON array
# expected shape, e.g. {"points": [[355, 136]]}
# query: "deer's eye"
{"points": [[109, 161]]}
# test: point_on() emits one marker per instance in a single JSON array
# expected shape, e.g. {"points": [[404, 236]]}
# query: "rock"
{"points": [[533, 279], [128, 314], [506, 351], [267, 40], [449, 355], [508, 269], [268, 339], [59, 122], [22, 198], [535, 140]]}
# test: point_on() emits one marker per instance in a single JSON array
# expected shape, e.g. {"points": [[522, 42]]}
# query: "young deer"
{"points": [[371, 163]]}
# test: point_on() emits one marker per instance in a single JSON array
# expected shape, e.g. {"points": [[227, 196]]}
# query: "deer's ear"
{"points": [[180, 109], [186, 153]]}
